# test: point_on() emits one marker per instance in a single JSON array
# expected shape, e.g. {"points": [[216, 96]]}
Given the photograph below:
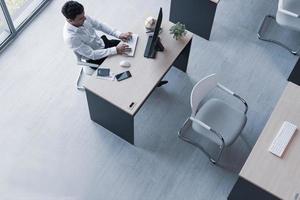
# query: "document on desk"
{"points": [[105, 74]]}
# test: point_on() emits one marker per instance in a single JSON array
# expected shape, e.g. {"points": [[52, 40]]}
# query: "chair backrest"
{"points": [[78, 57], [201, 89], [86, 67], [286, 19]]}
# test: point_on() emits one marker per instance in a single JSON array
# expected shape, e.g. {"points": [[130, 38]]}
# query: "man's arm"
{"points": [[81, 48], [104, 28]]}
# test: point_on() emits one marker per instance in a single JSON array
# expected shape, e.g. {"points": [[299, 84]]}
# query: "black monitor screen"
{"points": [[153, 43], [157, 26]]}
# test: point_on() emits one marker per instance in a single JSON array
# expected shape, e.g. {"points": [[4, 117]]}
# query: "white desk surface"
{"points": [[146, 73], [279, 176]]}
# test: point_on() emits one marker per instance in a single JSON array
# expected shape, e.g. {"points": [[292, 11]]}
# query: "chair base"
{"points": [[271, 31], [85, 71], [80, 81], [186, 139], [80, 88]]}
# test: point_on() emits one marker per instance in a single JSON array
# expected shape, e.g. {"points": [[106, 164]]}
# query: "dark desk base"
{"points": [[116, 120], [110, 116], [197, 15], [295, 74], [182, 60], [244, 190]]}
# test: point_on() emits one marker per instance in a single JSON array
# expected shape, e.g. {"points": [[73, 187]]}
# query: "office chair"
{"points": [[213, 118], [86, 69], [283, 30]]}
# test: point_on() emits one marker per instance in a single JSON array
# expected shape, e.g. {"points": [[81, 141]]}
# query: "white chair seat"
{"points": [[222, 118]]}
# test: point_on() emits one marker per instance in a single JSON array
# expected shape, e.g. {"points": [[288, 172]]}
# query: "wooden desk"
{"points": [[278, 176], [114, 104]]}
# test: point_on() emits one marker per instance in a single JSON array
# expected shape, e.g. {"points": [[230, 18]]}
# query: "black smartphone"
{"points": [[123, 75]]}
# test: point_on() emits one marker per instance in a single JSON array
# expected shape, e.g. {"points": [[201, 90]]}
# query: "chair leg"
{"points": [[245, 141], [183, 126], [214, 161], [186, 139], [79, 87]]}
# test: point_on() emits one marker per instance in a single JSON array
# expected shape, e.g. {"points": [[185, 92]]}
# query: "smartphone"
{"points": [[123, 75]]}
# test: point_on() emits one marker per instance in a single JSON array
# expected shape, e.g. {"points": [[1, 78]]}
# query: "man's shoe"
{"points": [[162, 83]]}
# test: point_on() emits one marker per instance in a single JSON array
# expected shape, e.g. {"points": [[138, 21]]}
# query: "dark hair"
{"points": [[71, 9]]}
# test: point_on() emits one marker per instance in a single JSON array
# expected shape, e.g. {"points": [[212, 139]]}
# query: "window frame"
{"points": [[16, 30]]}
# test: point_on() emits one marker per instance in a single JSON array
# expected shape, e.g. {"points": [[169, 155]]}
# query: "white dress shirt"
{"points": [[85, 41]]}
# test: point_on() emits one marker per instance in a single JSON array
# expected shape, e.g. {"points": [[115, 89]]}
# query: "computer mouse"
{"points": [[124, 63]]}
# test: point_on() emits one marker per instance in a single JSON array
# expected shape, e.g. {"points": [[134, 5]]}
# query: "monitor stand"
{"points": [[151, 52]]}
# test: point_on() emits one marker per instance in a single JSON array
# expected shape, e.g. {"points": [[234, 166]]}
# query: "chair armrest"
{"points": [[208, 128], [225, 89], [87, 64], [201, 123], [244, 102], [288, 12], [222, 87]]}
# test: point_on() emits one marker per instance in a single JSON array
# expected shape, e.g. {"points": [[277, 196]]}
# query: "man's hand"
{"points": [[122, 48], [125, 36]]}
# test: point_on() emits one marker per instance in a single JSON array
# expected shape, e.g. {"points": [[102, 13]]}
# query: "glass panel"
{"points": [[4, 30], [21, 9]]}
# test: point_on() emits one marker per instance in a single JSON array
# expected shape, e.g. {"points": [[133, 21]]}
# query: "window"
{"points": [[4, 29], [19, 10], [14, 15]]}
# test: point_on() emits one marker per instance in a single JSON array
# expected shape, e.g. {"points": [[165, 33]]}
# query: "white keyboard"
{"points": [[282, 138], [132, 44]]}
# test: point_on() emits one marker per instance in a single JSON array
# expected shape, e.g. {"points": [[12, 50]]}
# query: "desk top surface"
{"points": [[279, 176], [146, 73]]}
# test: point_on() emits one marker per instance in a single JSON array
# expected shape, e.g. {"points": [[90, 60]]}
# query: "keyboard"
{"points": [[282, 138], [132, 45]]}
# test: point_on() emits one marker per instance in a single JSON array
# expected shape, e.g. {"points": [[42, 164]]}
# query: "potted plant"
{"points": [[178, 30]]}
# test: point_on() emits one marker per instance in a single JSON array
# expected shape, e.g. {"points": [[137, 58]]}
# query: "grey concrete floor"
{"points": [[50, 149]]}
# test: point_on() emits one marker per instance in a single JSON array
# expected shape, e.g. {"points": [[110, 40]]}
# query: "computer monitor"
{"points": [[153, 43]]}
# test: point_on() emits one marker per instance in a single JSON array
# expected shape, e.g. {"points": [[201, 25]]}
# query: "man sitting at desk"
{"points": [[80, 35]]}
